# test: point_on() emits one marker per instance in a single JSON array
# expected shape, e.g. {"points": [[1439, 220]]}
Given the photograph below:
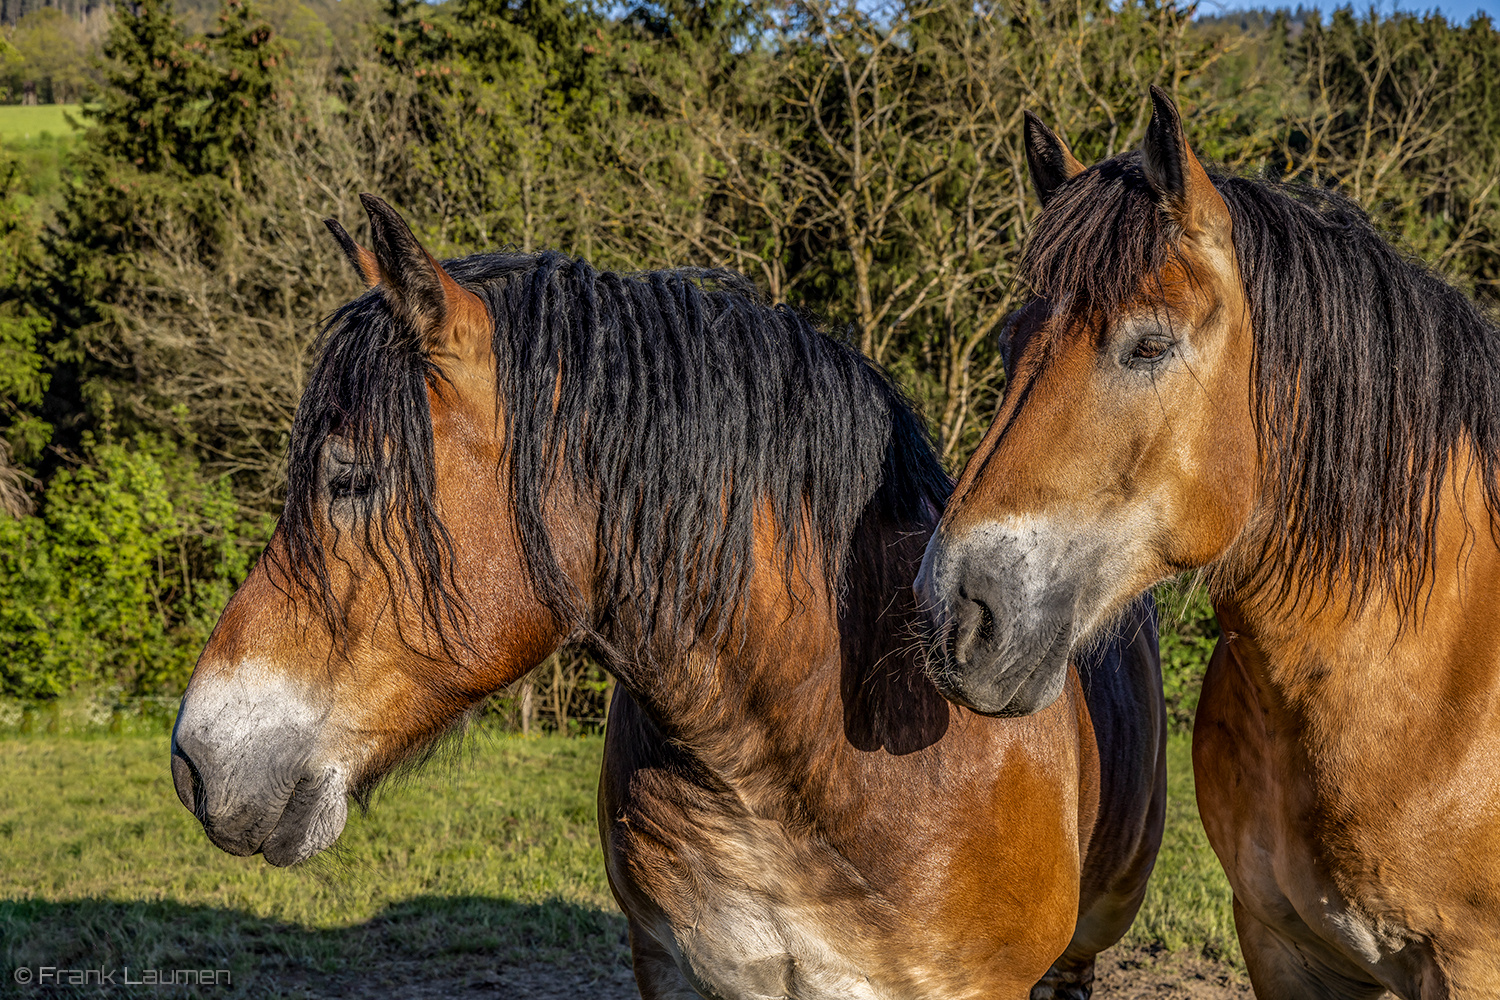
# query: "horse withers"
{"points": [[1230, 374], [505, 452]]}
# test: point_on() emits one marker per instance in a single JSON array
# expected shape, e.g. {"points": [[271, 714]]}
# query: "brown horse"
{"points": [[1225, 373], [501, 453]]}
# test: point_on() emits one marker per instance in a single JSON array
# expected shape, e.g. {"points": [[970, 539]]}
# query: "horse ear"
{"points": [[1051, 162], [1182, 186], [445, 313], [362, 260]]}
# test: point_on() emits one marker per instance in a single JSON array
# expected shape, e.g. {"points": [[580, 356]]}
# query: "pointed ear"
{"points": [[1182, 186], [447, 315], [1051, 162], [362, 260]]}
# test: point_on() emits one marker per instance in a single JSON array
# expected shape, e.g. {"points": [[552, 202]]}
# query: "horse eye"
{"points": [[1151, 349], [352, 484]]}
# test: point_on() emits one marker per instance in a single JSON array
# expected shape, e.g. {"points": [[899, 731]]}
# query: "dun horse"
{"points": [[1225, 373], [504, 452]]}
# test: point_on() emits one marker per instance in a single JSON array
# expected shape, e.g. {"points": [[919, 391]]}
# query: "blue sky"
{"points": [[1454, 10], [1460, 10]]}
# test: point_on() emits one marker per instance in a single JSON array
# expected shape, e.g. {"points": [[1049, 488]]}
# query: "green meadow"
{"points": [[489, 857], [21, 123], [34, 145]]}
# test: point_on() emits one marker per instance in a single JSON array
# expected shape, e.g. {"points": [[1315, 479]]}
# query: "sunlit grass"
{"points": [[23, 122], [498, 854], [491, 856]]}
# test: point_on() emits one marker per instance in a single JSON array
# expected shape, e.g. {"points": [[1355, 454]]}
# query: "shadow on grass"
{"points": [[409, 945]]}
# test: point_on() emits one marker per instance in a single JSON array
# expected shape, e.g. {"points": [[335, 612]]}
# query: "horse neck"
{"points": [[814, 679], [1350, 669]]}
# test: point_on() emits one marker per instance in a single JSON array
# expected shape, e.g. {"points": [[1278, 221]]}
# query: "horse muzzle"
{"points": [[1002, 614], [251, 772]]}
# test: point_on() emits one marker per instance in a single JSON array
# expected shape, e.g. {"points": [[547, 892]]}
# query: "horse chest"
{"points": [[1350, 871], [741, 947], [744, 911], [752, 914]]}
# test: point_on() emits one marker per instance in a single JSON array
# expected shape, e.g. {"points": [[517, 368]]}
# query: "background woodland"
{"points": [[163, 273]]}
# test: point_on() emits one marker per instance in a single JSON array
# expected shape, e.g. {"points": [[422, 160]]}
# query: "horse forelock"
{"points": [[369, 389], [678, 404], [1371, 374]]}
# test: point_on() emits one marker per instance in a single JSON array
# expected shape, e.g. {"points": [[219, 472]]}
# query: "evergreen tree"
{"points": [[23, 363], [167, 158]]}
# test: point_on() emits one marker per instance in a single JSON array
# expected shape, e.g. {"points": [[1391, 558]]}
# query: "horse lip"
{"points": [[312, 819], [298, 823], [945, 675]]}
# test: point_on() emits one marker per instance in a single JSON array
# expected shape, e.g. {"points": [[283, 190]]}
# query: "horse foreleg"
{"points": [[1280, 970], [656, 974], [1070, 978]]}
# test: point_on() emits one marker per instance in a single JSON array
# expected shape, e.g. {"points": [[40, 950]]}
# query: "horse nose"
{"points": [[973, 629], [1007, 629], [185, 777]]}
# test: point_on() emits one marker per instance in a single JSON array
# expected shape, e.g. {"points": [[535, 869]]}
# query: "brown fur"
{"points": [[804, 771], [1345, 755], [944, 852]]}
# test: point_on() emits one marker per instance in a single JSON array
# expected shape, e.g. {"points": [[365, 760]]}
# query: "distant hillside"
{"points": [[1259, 18], [12, 11]]}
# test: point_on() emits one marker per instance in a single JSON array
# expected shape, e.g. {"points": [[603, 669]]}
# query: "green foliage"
{"points": [[122, 574], [48, 57], [165, 169], [23, 379], [860, 161], [1404, 113], [1188, 636], [188, 110], [24, 369]]}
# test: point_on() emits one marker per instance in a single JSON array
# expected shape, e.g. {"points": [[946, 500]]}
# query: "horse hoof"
{"points": [[1070, 981]]}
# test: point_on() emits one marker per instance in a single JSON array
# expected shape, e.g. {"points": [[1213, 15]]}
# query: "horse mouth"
{"points": [[287, 831], [994, 692], [311, 821]]}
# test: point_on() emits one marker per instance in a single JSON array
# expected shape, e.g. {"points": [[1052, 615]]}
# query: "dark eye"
{"points": [[352, 483], [1149, 351]]}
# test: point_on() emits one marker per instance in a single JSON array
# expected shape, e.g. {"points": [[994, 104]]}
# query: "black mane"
{"points": [[1371, 373], [677, 401]]}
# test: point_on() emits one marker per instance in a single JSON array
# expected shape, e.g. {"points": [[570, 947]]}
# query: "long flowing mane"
{"points": [[678, 404], [1371, 373]]}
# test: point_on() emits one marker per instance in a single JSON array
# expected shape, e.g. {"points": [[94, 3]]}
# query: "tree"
{"points": [[50, 59], [1403, 113], [23, 363]]}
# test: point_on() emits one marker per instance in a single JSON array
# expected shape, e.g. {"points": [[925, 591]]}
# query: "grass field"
{"points": [[34, 145], [22, 122], [494, 858]]}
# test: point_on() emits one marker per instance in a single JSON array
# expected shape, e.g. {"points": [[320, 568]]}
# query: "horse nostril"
{"points": [[184, 778], [985, 633], [973, 627]]}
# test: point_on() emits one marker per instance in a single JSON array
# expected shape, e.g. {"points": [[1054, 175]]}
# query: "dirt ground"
{"points": [[1140, 974], [1129, 975]]}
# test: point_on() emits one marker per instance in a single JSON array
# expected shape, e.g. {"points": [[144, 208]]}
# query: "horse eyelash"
{"points": [[1142, 362], [355, 485]]}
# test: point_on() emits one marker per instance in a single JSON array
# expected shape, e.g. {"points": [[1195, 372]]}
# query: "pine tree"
{"points": [[172, 143], [157, 89], [248, 61]]}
